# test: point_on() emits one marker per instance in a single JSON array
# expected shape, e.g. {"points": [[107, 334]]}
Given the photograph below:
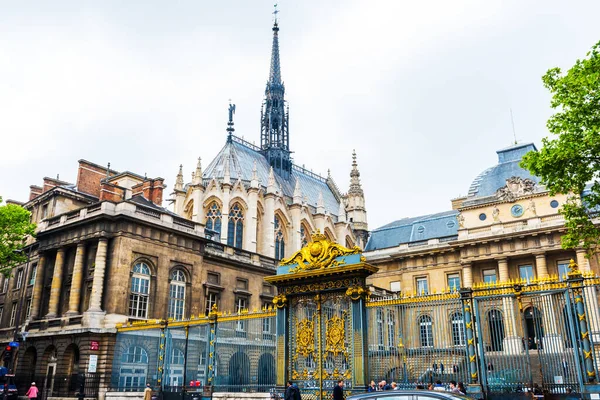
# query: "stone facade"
{"points": [[95, 263]]}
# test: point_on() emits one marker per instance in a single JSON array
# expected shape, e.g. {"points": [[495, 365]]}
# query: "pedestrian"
{"points": [[455, 368], [289, 391], [297, 395], [394, 386], [372, 387], [430, 386], [490, 366], [148, 392], [454, 387], [338, 390], [442, 367], [435, 367], [461, 388], [565, 366], [32, 393], [439, 387]]}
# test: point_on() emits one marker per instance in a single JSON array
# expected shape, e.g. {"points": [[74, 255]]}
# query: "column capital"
{"points": [[539, 254], [501, 259], [466, 263]]}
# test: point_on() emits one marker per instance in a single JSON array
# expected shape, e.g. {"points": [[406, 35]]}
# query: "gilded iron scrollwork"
{"points": [[280, 301], [320, 253], [335, 336], [305, 341], [357, 292]]}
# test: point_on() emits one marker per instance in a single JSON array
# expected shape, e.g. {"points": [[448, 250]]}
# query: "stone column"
{"points": [[36, 297], [540, 266], [76, 280], [56, 284], [467, 275], [98, 283], [503, 270], [198, 210], [225, 213], [582, 261], [296, 212]]}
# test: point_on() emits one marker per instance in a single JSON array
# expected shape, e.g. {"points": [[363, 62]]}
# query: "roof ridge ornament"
{"points": [[515, 187]]}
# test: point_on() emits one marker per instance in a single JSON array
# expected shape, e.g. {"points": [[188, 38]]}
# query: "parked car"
{"points": [[407, 395]]}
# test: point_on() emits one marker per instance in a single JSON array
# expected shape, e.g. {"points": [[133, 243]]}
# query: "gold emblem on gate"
{"points": [[305, 341], [334, 336]]}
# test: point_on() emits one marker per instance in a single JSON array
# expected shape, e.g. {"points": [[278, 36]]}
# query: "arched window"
{"points": [[496, 329], [176, 295], [140, 291], [235, 229], [303, 236], [175, 370], [458, 329], [134, 368], [426, 331], [213, 219], [279, 239]]}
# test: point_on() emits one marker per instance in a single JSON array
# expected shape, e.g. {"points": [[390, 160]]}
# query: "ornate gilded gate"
{"points": [[321, 318]]}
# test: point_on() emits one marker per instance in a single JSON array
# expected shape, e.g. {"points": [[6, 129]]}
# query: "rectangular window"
{"points": [[267, 289], [33, 274], [241, 304], [44, 211], [211, 300], [395, 286], [176, 301], [241, 284], [138, 297], [563, 270], [5, 284], [13, 314], [422, 286], [213, 278], [380, 328], [489, 275], [526, 272], [1, 313], [266, 325], [19, 278], [453, 282], [28, 309], [391, 331]]}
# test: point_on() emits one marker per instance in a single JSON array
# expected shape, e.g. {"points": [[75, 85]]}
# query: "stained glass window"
{"points": [[235, 229], [279, 239], [213, 219]]}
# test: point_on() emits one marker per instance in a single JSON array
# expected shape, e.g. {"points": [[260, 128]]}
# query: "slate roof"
{"points": [[242, 155], [492, 179], [415, 229]]}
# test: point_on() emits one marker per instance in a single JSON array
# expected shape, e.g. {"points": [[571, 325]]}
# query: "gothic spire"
{"points": [[179, 180], [355, 187], [275, 72], [198, 174], [275, 142]]}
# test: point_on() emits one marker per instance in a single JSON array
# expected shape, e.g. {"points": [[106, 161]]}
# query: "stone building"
{"points": [[507, 229], [106, 252], [255, 198]]}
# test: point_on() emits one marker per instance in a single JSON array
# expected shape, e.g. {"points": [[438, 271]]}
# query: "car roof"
{"points": [[393, 393]]}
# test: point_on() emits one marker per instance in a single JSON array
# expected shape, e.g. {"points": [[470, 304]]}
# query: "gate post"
{"points": [[575, 282], [212, 339], [359, 295], [474, 388], [281, 335]]}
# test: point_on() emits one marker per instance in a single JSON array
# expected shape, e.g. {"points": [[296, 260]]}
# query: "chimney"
{"points": [[111, 192], [50, 183], [89, 176], [34, 191], [151, 189]]}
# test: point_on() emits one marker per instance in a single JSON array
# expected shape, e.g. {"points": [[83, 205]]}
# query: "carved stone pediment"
{"points": [[514, 188]]}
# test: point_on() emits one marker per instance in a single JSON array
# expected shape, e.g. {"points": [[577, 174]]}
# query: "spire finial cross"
{"points": [[275, 12]]}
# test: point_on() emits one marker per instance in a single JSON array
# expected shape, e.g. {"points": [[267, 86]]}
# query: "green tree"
{"points": [[14, 229], [570, 161]]}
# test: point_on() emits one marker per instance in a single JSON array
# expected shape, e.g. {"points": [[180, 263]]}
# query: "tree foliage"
{"points": [[569, 162], [14, 229]]}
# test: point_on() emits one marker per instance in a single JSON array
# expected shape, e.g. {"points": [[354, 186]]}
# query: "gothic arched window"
{"points": [[140, 291], [235, 229], [213, 219], [304, 236], [279, 239], [176, 295]]}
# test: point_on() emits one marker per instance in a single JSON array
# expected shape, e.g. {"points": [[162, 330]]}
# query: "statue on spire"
{"points": [[230, 128]]}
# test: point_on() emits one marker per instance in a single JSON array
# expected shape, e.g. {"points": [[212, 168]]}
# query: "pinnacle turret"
{"points": [[198, 174], [355, 187], [297, 193], [179, 180]]}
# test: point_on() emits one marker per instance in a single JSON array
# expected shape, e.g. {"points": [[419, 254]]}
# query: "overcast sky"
{"points": [[421, 89]]}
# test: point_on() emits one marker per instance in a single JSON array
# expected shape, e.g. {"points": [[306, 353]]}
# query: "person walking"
{"points": [[148, 392], [33, 391], [290, 392], [338, 390]]}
